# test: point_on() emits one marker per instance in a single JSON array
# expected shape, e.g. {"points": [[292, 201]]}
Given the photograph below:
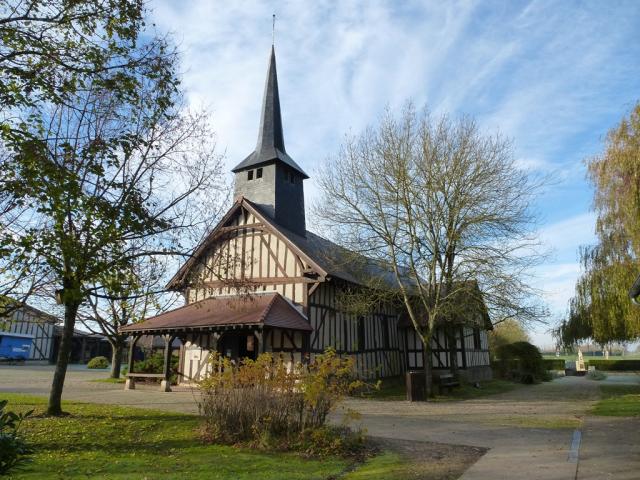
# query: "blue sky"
{"points": [[553, 76]]}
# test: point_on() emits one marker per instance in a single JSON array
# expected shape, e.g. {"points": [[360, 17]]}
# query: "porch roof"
{"points": [[263, 309]]}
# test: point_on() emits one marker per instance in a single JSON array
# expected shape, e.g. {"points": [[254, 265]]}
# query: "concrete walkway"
{"points": [[610, 449], [529, 431], [80, 386]]}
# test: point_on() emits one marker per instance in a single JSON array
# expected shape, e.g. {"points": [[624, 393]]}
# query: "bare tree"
{"points": [[142, 295], [443, 207]]}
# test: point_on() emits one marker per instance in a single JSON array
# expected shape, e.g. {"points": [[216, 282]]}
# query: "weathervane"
{"points": [[273, 31]]}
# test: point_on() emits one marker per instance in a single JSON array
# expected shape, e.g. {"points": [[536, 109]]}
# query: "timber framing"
{"points": [[178, 281]]}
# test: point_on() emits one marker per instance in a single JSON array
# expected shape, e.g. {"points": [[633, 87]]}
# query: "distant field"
{"points": [[586, 356]]}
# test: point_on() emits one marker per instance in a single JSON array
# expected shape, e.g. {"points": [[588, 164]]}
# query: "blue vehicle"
{"points": [[15, 346]]}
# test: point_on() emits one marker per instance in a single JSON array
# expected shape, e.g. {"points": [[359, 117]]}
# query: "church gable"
{"points": [[246, 254]]}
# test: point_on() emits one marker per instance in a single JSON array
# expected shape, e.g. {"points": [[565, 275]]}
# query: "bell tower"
{"points": [[268, 176]]}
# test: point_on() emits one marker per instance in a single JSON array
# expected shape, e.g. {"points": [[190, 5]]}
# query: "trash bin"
{"points": [[415, 385]]}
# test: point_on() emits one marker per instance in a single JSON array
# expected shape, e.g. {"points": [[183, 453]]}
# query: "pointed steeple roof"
{"points": [[270, 136]]}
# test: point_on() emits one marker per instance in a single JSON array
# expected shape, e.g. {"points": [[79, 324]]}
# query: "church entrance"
{"points": [[237, 346]]}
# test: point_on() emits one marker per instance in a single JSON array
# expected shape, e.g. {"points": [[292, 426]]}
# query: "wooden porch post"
{"points": [[215, 336], [83, 349], [259, 334], [464, 350], [165, 384], [306, 348], [130, 383]]}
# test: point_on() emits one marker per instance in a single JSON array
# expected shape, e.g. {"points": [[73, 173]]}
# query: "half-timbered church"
{"points": [[261, 282]]}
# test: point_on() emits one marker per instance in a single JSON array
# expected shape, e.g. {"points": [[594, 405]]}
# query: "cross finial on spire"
{"points": [[273, 31]]}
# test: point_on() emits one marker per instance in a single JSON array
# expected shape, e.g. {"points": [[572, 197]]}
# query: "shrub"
{"points": [[155, 364], [14, 451], [98, 362], [554, 363], [268, 404], [615, 365], [520, 361]]}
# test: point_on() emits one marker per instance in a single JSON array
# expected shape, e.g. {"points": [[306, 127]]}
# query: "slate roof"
{"points": [[471, 311], [270, 146], [262, 309], [336, 261]]}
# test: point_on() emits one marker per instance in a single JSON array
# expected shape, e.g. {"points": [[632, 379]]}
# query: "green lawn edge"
{"points": [[618, 401]]}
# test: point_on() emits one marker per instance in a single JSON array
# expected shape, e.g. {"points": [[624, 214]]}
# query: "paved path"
{"points": [[515, 426], [79, 386], [529, 431], [610, 449]]}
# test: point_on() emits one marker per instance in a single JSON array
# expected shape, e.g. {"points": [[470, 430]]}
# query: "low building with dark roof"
{"points": [[261, 282], [35, 324]]}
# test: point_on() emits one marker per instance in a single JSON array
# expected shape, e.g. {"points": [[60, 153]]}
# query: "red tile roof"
{"points": [[269, 309]]}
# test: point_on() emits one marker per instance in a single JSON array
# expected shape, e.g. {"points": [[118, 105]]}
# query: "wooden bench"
{"points": [[130, 383], [446, 380]]}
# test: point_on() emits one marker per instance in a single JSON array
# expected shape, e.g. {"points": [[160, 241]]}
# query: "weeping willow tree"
{"points": [[600, 308]]}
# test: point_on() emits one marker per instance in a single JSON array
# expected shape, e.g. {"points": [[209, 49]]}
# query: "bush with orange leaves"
{"points": [[271, 404]]}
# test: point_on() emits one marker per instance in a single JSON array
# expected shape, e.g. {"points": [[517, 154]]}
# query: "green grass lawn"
{"points": [[388, 466], [393, 388], [618, 401], [113, 442]]}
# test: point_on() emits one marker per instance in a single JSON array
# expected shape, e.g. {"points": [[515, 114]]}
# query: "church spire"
{"points": [[270, 145], [270, 135], [269, 177]]}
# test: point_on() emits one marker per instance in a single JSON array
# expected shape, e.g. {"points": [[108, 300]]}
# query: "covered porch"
{"points": [[234, 326]]}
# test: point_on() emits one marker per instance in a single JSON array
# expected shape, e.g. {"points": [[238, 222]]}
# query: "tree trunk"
{"points": [[428, 371], [453, 352], [64, 352], [117, 348]]}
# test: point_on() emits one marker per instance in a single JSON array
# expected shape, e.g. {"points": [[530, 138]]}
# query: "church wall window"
{"points": [[259, 173], [250, 175]]}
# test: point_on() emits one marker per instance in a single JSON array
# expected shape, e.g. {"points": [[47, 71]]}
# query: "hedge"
{"points": [[615, 365], [155, 364], [98, 362], [554, 363], [520, 361]]}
